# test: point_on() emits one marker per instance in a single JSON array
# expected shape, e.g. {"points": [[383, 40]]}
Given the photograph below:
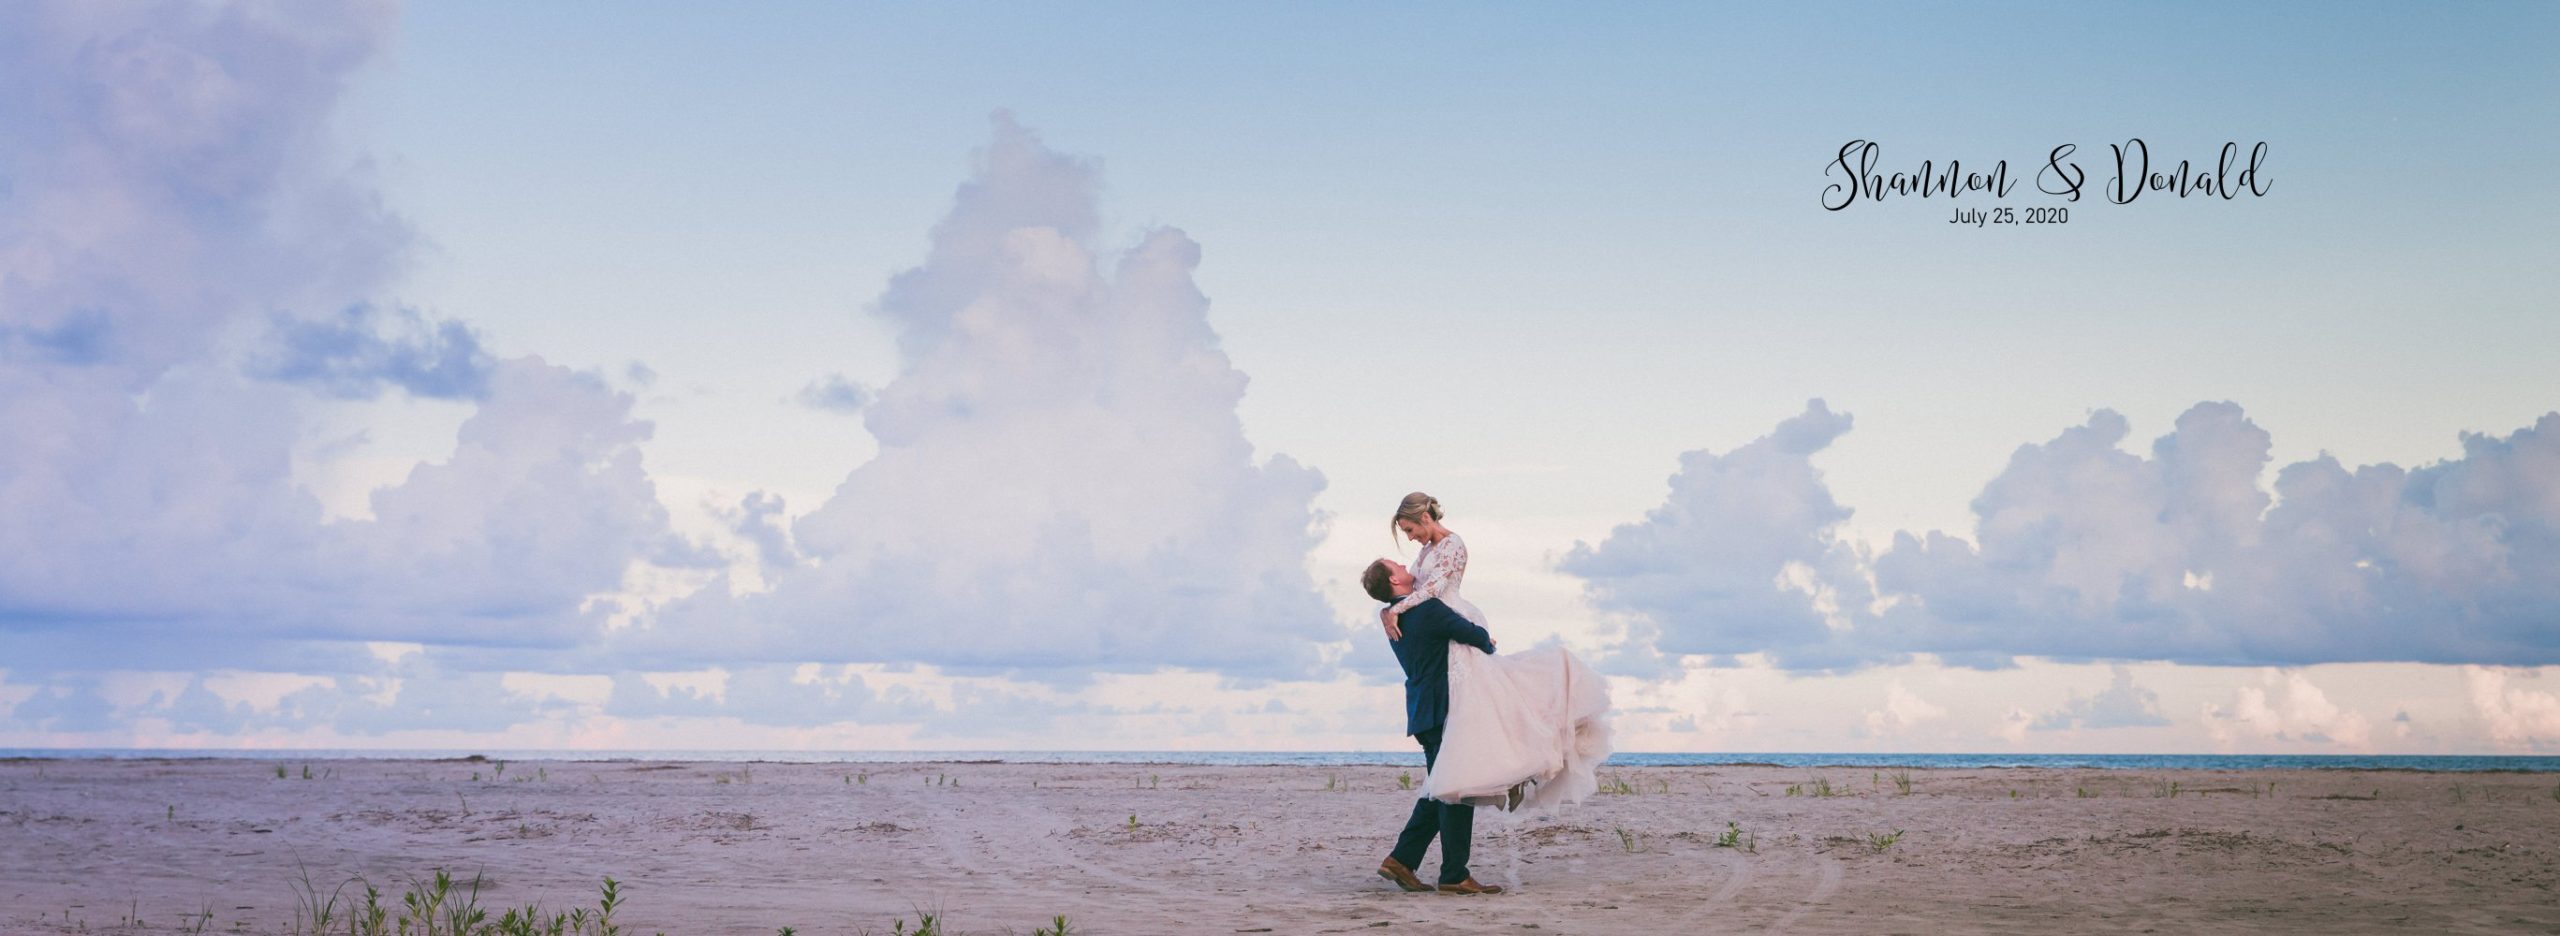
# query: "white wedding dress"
{"points": [[1539, 716]]}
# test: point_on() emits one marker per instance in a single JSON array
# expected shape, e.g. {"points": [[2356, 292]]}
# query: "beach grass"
{"points": [[1815, 786], [1734, 837], [442, 905]]}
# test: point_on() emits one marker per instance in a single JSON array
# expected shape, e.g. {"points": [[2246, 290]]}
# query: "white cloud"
{"points": [[1062, 481], [771, 695], [1902, 711], [180, 520], [2121, 705], [413, 692], [189, 273], [1742, 557], [2515, 717], [176, 222], [2085, 551], [168, 172], [68, 705], [2286, 707], [2081, 550], [2014, 725]]}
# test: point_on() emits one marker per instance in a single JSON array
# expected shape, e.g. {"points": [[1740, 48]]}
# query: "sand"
{"points": [[89, 845]]}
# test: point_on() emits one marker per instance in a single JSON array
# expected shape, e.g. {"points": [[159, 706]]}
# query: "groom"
{"points": [[1423, 650]]}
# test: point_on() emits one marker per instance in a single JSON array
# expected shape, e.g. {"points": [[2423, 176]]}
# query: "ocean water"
{"points": [[1412, 758]]}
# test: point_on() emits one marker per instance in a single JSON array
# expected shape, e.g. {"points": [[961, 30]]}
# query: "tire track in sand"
{"points": [[1737, 873], [1822, 890], [1107, 886], [969, 853], [1040, 828], [1016, 860]]}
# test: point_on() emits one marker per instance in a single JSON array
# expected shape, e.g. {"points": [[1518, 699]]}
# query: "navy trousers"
{"points": [[1454, 824]]}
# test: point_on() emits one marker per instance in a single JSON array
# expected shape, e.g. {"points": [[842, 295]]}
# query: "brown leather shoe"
{"points": [[1394, 870], [1469, 886]]}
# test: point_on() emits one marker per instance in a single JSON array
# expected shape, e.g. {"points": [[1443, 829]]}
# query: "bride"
{"points": [[1525, 729]]}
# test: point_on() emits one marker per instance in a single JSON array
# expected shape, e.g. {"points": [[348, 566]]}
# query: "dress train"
{"points": [[1538, 718]]}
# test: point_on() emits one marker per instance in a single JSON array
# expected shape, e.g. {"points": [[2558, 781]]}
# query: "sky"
{"points": [[914, 377]]}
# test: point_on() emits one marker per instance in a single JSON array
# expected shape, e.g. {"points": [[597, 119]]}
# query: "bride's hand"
{"points": [[1387, 617]]}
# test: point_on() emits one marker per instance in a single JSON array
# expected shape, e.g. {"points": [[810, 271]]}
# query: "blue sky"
{"points": [[1536, 260]]}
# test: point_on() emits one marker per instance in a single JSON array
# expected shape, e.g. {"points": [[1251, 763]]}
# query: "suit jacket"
{"points": [[1424, 653]]}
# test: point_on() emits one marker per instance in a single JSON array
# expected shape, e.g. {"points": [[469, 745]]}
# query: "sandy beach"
{"points": [[89, 845]]}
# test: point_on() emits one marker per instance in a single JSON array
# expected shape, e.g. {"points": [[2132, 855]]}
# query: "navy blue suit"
{"points": [[1423, 651], [1428, 628]]}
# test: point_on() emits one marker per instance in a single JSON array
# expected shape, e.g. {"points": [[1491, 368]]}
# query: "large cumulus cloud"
{"points": [[188, 267], [1062, 481], [193, 275], [166, 169], [1743, 557], [2082, 550]]}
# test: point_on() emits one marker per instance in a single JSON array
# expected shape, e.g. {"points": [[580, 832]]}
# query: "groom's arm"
{"points": [[1435, 621], [1466, 632]]}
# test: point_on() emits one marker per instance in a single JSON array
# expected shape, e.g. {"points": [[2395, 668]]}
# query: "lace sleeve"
{"points": [[1437, 572]]}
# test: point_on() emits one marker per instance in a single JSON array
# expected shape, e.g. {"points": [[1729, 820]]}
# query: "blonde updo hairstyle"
{"points": [[1416, 507]]}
